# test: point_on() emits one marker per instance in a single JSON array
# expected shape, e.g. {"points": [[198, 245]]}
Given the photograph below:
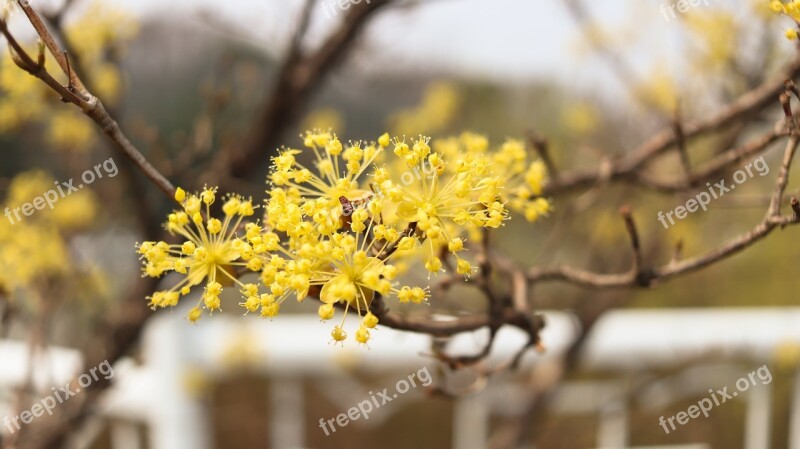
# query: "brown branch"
{"points": [[433, 327], [25, 62], [680, 144], [409, 231], [713, 168], [542, 148], [55, 50], [74, 60], [773, 219], [123, 330], [633, 234], [720, 163], [783, 177], [542, 389], [627, 168]]}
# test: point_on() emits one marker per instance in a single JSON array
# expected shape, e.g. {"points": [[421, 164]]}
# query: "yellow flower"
{"points": [[521, 180], [442, 203], [791, 9], [28, 185], [340, 171], [73, 212], [347, 268], [34, 249], [24, 97], [31, 251], [347, 230], [211, 250]]}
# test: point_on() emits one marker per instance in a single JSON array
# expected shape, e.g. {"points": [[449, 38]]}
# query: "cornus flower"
{"points": [[340, 171], [443, 204], [520, 182], [344, 230], [283, 272], [282, 211], [351, 268], [210, 252], [515, 179]]}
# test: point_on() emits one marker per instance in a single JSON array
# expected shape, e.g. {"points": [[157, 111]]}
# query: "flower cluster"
{"points": [[211, 253], [339, 219]]}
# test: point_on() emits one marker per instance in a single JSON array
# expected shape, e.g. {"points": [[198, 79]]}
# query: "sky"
{"points": [[497, 39]]}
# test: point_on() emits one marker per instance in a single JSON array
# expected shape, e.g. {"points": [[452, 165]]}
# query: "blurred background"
{"points": [[209, 90]]}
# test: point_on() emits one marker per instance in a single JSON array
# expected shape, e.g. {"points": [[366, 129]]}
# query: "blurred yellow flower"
{"points": [[195, 382], [29, 252], [103, 24], [107, 82], [27, 185], [24, 99], [659, 91], [580, 118], [787, 355], [70, 130], [241, 350], [437, 110], [717, 30], [324, 118], [75, 211]]}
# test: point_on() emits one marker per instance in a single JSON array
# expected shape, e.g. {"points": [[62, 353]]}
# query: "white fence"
{"points": [[293, 348]]}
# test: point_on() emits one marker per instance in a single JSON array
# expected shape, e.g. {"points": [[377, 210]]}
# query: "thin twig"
{"points": [[77, 94]]}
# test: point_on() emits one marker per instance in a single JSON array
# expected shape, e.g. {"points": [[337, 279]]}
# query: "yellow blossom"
{"points": [[210, 253]]}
